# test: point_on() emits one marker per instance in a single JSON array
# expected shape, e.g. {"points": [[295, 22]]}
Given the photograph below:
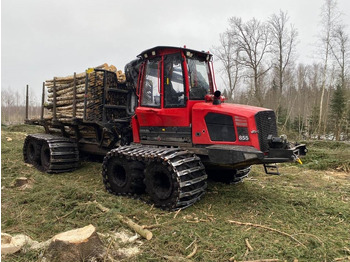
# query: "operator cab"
{"points": [[170, 81], [168, 71]]}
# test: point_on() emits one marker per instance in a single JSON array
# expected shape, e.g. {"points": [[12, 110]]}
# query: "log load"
{"points": [[70, 93]]}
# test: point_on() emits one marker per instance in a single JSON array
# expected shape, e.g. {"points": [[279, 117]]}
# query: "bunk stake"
{"points": [[85, 96], [42, 102], [27, 98], [75, 95], [54, 100]]}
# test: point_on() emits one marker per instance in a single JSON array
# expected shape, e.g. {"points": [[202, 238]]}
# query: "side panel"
{"points": [[163, 116]]}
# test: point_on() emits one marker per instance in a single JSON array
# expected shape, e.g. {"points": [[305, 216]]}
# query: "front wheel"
{"points": [[229, 176]]}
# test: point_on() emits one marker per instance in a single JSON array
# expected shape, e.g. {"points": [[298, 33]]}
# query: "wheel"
{"points": [[122, 176], [229, 176], [31, 152], [45, 157], [161, 185], [241, 174]]}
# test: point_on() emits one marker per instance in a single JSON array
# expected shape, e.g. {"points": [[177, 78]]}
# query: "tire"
{"points": [[51, 154], [241, 174], [31, 151], [161, 185], [45, 157], [229, 176], [124, 177]]}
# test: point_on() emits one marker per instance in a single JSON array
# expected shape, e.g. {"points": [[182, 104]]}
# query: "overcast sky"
{"points": [[45, 38]]}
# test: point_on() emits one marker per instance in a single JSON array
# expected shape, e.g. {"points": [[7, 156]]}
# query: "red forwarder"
{"points": [[175, 128]]}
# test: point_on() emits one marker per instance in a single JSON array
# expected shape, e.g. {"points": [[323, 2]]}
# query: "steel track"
{"points": [[63, 153], [186, 168]]}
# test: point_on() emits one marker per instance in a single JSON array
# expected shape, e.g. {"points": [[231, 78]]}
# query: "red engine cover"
{"points": [[242, 116]]}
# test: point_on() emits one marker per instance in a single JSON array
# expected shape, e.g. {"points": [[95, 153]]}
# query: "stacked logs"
{"points": [[67, 87]]}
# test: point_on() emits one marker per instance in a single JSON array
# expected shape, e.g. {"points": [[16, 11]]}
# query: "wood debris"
{"points": [[267, 228]]}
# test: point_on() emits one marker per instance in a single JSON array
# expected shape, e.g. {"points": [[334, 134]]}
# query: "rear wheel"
{"points": [[51, 154], [31, 151], [45, 156]]}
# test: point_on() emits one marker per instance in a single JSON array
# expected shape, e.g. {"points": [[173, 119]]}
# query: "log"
{"points": [[80, 88], [66, 97], [65, 85], [67, 78], [82, 244], [137, 228]]}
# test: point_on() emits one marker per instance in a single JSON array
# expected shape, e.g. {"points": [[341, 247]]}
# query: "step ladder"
{"points": [[271, 169]]}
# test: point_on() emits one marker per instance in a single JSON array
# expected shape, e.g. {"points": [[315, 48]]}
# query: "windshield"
{"points": [[198, 73]]}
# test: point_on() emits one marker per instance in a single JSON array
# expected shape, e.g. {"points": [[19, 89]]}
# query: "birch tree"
{"points": [[329, 18], [340, 51], [228, 54], [283, 37], [253, 43]]}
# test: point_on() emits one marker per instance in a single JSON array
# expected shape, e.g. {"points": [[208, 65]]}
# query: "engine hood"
{"points": [[229, 109]]}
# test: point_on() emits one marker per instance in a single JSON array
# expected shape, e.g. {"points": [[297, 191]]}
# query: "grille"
{"points": [[266, 124], [220, 127]]}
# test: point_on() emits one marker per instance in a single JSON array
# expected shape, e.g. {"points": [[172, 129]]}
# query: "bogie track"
{"points": [[51, 154], [173, 178]]}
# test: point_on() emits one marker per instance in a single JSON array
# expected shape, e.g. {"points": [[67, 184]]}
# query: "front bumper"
{"points": [[237, 156]]}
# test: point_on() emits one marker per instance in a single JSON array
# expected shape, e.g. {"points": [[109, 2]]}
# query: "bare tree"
{"points": [[227, 53], [329, 18], [7, 103], [252, 42], [283, 38], [340, 50]]}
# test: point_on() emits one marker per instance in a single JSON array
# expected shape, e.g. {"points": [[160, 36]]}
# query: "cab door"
{"points": [[163, 115]]}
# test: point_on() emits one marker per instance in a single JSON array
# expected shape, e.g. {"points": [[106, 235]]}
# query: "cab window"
{"points": [[174, 88], [198, 73], [151, 85]]}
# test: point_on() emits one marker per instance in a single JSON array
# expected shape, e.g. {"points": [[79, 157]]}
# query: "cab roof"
{"points": [[162, 50]]}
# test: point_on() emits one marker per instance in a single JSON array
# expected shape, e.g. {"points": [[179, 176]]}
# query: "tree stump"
{"points": [[20, 181], [80, 244]]}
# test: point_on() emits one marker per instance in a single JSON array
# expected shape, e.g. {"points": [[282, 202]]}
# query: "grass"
{"points": [[309, 202], [328, 155]]}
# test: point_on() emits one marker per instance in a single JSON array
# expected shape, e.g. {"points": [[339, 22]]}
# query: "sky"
{"points": [[41, 39]]}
